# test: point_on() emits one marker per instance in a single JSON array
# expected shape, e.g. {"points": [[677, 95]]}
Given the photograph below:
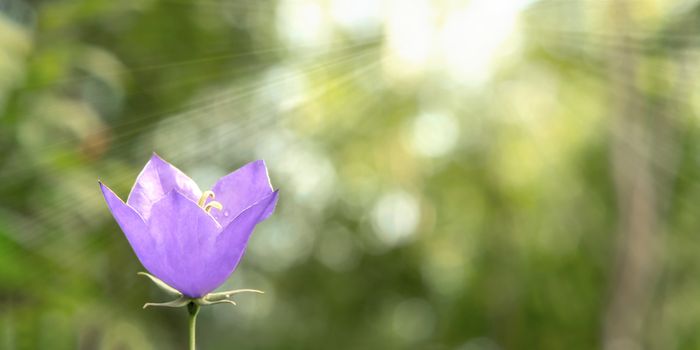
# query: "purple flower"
{"points": [[182, 235]]}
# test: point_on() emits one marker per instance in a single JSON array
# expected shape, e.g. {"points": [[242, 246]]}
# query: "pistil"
{"points": [[207, 206], [213, 204], [206, 195]]}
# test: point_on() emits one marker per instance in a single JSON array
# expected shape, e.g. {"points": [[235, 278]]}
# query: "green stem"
{"points": [[193, 310]]}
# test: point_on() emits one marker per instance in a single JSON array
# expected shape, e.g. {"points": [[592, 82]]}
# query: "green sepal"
{"points": [[209, 299], [203, 301], [179, 302], [162, 285], [225, 295]]}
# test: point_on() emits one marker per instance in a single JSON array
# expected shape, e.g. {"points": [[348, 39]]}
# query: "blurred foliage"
{"points": [[453, 174]]}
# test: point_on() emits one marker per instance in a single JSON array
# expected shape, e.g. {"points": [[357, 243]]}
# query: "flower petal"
{"points": [[185, 237], [241, 189], [135, 230], [233, 239], [156, 179]]}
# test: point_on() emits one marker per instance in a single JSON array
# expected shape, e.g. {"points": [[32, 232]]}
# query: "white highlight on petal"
{"points": [[395, 217]]}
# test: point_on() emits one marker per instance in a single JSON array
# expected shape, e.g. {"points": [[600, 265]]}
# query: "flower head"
{"points": [[189, 239]]}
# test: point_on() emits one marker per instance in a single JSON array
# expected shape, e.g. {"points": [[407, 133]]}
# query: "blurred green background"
{"points": [[468, 175]]}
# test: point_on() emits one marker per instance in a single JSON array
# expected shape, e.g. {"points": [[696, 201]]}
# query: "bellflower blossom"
{"points": [[191, 241]]}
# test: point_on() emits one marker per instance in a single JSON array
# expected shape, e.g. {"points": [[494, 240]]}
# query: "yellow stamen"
{"points": [[203, 199], [213, 204]]}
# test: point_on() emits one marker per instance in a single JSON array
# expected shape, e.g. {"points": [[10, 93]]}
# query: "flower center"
{"points": [[207, 206]]}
